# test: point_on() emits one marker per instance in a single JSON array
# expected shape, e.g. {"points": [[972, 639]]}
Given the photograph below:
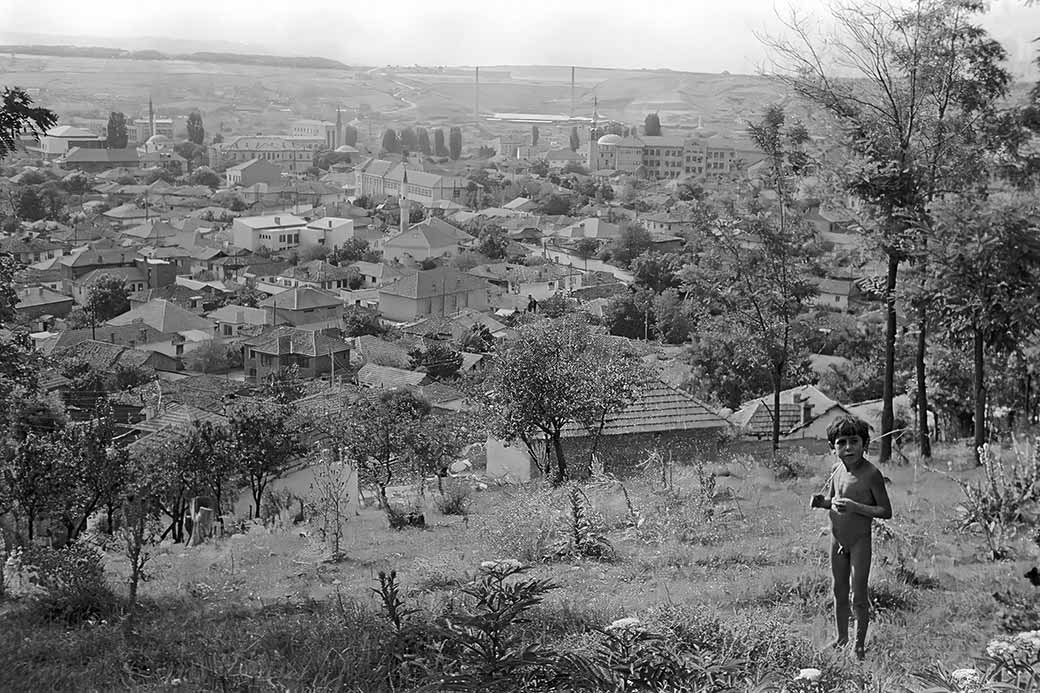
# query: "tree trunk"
{"points": [[561, 464], [887, 413], [922, 389], [980, 394], [777, 375]]}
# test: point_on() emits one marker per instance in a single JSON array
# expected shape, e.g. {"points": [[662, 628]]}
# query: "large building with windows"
{"points": [[293, 154], [377, 178], [663, 157]]}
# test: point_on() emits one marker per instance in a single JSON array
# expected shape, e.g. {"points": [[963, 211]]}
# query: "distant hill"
{"points": [[199, 56]]}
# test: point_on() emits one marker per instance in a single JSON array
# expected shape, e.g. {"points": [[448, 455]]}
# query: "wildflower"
{"points": [[501, 564], [624, 623], [966, 679], [809, 675], [1000, 650]]}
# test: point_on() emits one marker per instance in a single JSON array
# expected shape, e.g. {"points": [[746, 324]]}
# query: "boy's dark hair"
{"points": [[848, 425]]}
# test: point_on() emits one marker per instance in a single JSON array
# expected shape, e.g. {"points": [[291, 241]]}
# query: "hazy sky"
{"points": [[698, 35]]}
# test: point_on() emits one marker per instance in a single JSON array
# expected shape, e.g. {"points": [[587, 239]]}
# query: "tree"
{"points": [[33, 479], [97, 468], [575, 141], [330, 496], [478, 340], [8, 296], [921, 88], [586, 248], [630, 315], [107, 298], [264, 442], [116, 135], [423, 137], [204, 175], [409, 140], [284, 386], [658, 271], [555, 373], [555, 205], [534, 135], [438, 143], [987, 281], [652, 125], [438, 359], [390, 142], [633, 242], [352, 250], [30, 205], [196, 130], [455, 143], [212, 357], [18, 115], [350, 136], [672, 321], [492, 242], [358, 321]]}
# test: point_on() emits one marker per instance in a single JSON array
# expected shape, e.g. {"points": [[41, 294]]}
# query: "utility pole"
{"points": [[476, 95]]}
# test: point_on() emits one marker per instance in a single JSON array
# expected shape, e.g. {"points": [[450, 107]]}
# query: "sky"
{"points": [[694, 35]]}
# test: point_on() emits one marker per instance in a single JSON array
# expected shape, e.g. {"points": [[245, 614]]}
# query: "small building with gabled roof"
{"points": [[440, 291], [313, 352], [303, 305]]}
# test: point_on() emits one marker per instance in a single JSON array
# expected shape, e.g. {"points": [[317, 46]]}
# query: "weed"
{"points": [[901, 551], [582, 538], [1018, 610], [786, 466], [455, 498]]}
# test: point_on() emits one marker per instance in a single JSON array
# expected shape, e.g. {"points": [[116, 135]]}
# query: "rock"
{"points": [[460, 466]]}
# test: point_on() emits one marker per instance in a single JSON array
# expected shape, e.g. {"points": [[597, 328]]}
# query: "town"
{"points": [[368, 347]]}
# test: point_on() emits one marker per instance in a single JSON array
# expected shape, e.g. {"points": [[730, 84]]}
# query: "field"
{"points": [[266, 610]]}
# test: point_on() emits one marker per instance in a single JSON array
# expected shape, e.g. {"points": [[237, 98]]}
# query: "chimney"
{"points": [[278, 220], [143, 336], [284, 344]]}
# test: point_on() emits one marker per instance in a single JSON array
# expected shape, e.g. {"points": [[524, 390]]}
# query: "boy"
{"points": [[855, 496]]}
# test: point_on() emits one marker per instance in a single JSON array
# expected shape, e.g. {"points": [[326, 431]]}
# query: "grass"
{"points": [[263, 610]]}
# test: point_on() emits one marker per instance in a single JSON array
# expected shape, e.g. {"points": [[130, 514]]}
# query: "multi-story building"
{"points": [[664, 157], [316, 130], [378, 178], [57, 141], [276, 232], [293, 154]]}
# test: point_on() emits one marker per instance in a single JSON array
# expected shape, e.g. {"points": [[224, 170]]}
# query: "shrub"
{"points": [[786, 466], [455, 498], [582, 537], [71, 581], [531, 523]]}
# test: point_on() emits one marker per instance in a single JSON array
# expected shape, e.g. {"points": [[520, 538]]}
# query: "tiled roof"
{"points": [[380, 352], [17, 246], [165, 316], [589, 293], [301, 298], [33, 296], [756, 417], [127, 274], [103, 356], [291, 340], [116, 157], [422, 238], [208, 392], [435, 282], [550, 271], [444, 228], [154, 228], [168, 424], [657, 408], [235, 314], [318, 271], [371, 375], [118, 335]]}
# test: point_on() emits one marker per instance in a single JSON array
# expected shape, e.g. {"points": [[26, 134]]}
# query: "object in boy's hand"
{"points": [[817, 501], [1033, 576]]}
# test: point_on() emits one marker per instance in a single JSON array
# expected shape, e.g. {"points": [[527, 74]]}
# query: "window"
{"points": [[180, 349], [227, 330]]}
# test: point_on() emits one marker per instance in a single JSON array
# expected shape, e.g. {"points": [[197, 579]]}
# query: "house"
{"points": [[303, 306], [559, 158], [129, 336], [129, 215], [167, 423], [132, 277], [95, 160], [660, 417], [37, 301], [371, 349], [294, 155], [441, 396], [835, 294], [799, 406], [156, 231], [232, 319], [275, 232], [379, 178], [329, 232], [109, 358], [664, 223], [84, 262], [252, 172], [539, 281], [319, 274], [313, 352], [60, 140], [387, 378], [377, 274], [521, 204], [421, 242], [440, 291], [29, 250], [182, 331], [592, 227]]}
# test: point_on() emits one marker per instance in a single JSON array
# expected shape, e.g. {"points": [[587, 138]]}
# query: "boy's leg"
{"points": [[841, 568], [860, 554]]}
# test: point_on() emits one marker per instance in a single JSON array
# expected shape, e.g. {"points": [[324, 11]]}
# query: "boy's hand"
{"points": [[842, 504]]}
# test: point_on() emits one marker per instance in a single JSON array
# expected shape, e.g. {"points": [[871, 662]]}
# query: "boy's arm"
{"points": [[882, 508]]}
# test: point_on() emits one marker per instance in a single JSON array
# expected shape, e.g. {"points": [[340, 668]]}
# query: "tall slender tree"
{"points": [[424, 141], [196, 130], [652, 124], [391, 143], [455, 143], [575, 141], [534, 135], [117, 136], [439, 149]]}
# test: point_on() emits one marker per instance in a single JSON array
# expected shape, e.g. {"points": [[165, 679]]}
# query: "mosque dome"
{"points": [[347, 149], [609, 139], [158, 140]]}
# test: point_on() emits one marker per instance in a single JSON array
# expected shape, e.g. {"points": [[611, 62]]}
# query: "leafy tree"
{"points": [[455, 143], [690, 192], [652, 124], [8, 295], [987, 282], [352, 250], [556, 306], [350, 136], [358, 321], [30, 205], [33, 479], [390, 142], [919, 108], [439, 360], [439, 149], [204, 175], [534, 135], [630, 315], [575, 141], [107, 298], [423, 137], [478, 340], [18, 115], [116, 135], [634, 241], [196, 130], [212, 357], [97, 468], [283, 386], [658, 271], [492, 242], [555, 205], [409, 140], [586, 248], [555, 373], [672, 320], [264, 442]]}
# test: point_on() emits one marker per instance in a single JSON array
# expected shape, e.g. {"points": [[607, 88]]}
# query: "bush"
{"points": [[786, 466], [71, 582], [455, 498]]}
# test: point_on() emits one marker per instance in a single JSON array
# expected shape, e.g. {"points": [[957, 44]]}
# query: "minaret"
{"points": [[402, 200], [339, 128], [151, 118], [476, 94]]}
